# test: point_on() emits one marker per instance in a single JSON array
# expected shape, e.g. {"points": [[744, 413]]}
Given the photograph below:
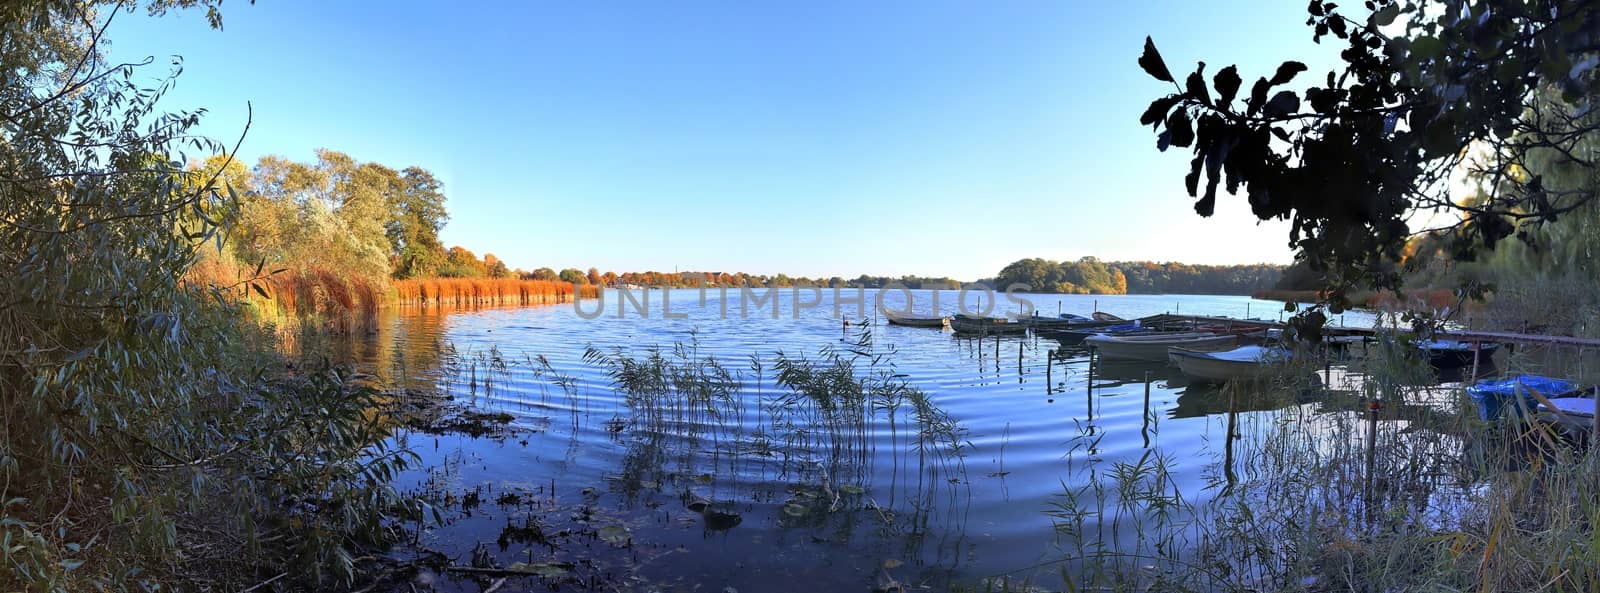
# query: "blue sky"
{"points": [[810, 138]]}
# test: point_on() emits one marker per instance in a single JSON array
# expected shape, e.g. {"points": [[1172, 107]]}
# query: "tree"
{"points": [[414, 230], [495, 268], [594, 276], [461, 263], [573, 276], [545, 274], [1428, 90]]}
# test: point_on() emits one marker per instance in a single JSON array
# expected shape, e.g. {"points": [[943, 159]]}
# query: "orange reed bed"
{"points": [[488, 291], [318, 292]]}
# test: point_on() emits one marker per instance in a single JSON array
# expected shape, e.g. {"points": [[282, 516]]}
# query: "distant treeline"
{"points": [[732, 279], [1089, 275]]}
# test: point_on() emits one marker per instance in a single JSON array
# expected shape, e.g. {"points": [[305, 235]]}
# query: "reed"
{"points": [[489, 291], [1415, 493]]}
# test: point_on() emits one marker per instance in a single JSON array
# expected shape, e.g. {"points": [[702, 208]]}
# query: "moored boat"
{"points": [[972, 324], [1495, 396], [1242, 363], [909, 320], [1153, 348], [1453, 354], [1574, 415]]}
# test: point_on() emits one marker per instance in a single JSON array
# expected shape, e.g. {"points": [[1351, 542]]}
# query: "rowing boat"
{"points": [[915, 320], [972, 324], [1244, 362], [1154, 348]]}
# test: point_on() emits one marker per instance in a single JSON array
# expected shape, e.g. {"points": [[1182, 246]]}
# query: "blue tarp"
{"points": [[1491, 395]]}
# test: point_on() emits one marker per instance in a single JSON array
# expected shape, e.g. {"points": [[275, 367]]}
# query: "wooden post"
{"points": [[1475, 350], [1088, 388], [1049, 372], [1594, 424], [1145, 430], [1233, 423]]}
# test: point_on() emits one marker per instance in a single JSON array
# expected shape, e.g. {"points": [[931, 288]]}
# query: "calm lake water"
{"points": [[588, 492]]}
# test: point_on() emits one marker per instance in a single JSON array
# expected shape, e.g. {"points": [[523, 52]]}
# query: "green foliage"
{"points": [[461, 263], [1454, 87], [574, 276], [151, 438], [362, 220], [1092, 276]]}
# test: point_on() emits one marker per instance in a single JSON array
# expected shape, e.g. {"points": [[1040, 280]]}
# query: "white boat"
{"points": [[1573, 414], [1245, 362], [1154, 348]]}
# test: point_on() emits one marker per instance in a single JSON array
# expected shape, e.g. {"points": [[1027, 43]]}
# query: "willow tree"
{"points": [[1429, 93], [146, 441]]}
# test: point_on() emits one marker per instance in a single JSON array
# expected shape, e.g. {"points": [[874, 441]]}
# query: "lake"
{"points": [[591, 484]]}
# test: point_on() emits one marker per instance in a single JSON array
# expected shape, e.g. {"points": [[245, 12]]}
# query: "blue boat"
{"points": [[1493, 395]]}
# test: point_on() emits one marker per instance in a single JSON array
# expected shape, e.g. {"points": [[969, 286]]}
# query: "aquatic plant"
{"points": [[1376, 481]]}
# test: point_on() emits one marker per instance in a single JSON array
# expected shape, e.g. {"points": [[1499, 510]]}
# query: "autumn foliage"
{"points": [[488, 291]]}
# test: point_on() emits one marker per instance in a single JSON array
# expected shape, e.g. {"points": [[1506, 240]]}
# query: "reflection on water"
{"points": [[794, 453]]}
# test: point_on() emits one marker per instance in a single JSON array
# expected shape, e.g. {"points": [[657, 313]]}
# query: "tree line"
{"points": [[1089, 275]]}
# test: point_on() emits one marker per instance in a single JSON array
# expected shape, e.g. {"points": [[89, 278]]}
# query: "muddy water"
{"points": [[582, 489]]}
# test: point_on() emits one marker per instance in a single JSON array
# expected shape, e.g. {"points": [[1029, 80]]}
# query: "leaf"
{"points": [[1180, 128], [1286, 72], [259, 290], [1157, 110], [1196, 85], [1282, 104], [1385, 16], [1227, 83], [1192, 180], [1152, 63], [1258, 96], [1426, 47]]}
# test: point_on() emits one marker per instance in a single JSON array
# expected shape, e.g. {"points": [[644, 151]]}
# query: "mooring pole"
{"points": [[1019, 360], [1049, 372], [1233, 423], [1088, 388], [1475, 349], [1145, 430]]}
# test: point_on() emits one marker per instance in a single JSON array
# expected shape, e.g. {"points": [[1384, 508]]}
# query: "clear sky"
{"points": [[813, 138]]}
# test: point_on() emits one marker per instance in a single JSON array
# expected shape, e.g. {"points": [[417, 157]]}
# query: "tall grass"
{"points": [[1379, 482], [489, 291]]}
